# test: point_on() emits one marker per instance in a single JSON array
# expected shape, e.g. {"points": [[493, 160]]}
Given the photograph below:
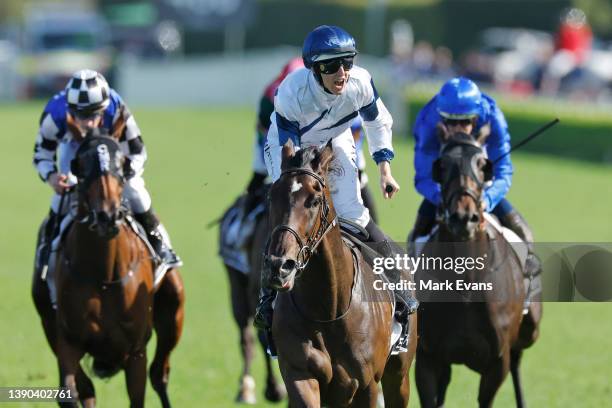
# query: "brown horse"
{"points": [[106, 303], [481, 326], [331, 327], [244, 291]]}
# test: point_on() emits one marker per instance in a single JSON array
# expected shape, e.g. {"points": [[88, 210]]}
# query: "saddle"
{"points": [[236, 231]]}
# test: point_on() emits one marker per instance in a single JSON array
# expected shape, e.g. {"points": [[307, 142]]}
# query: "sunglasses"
{"points": [[86, 115], [332, 66], [457, 122]]}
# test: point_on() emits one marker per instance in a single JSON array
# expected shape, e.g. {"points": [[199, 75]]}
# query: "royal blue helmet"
{"points": [[459, 98], [327, 42]]}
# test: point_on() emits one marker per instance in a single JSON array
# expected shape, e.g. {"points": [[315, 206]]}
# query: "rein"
{"points": [[315, 236]]}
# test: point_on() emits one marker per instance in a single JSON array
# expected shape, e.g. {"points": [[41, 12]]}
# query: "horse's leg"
{"points": [[515, 363], [168, 317], [68, 358], [241, 312], [275, 390], [87, 392], [429, 374], [396, 381], [368, 398], [304, 393], [492, 378], [136, 378], [443, 381]]}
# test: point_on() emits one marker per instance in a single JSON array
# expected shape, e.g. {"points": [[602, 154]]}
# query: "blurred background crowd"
{"points": [[224, 51]]}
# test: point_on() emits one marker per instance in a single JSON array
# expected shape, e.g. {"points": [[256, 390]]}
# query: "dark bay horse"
{"points": [[477, 320], [106, 303], [244, 291], [331, 327]]}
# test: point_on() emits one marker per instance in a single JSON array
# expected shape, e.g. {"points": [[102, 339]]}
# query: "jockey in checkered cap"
{"points": [[86, 103]]}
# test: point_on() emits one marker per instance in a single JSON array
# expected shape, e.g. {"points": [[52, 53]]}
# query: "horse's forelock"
{"points": [[304, 157]]}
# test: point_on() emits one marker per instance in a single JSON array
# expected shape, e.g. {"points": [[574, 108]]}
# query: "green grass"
{"points": [[198, 162]]}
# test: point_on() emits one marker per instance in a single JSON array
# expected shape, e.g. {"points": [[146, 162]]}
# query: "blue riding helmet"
{"points": [[459, 98], [327, 42]]}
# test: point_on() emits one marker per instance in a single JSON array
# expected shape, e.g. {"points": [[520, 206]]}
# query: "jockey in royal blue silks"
{"points": [[461, 106]]}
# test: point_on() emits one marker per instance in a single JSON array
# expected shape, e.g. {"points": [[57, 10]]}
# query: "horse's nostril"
{"points": [[103, 217], [474, 218], [288, 265]]}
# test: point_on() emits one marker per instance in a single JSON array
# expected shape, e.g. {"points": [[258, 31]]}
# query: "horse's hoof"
{"points": [[246, 393], [275, 392]]}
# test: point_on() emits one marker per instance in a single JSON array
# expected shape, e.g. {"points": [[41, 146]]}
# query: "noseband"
{"points": [[316, 234]]}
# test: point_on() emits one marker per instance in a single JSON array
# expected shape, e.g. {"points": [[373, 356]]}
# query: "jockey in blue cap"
{"points": [[315, 105], [461, 107]]}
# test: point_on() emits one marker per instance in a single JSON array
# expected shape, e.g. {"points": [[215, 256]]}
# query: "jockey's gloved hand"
{"points": [[58, 182]]}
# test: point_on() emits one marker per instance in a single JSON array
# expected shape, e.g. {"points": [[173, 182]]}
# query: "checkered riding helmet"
{"points": [[87, 92]]}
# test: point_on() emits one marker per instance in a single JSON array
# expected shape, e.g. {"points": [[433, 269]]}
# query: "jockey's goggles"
{"points": [[86, 115], [457, 122], [332, 66]]}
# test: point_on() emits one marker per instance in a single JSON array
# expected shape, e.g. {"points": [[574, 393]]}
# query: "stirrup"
{"points": [[401, 345]]}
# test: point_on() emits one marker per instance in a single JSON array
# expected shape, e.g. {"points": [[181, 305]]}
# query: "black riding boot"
{"points": [[388, 249], [533, 266], [158, 238], [264, 311], [515, 221]]}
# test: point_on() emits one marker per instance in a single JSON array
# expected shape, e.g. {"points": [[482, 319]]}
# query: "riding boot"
{"points": [[385, 247], [46, 239], [264, 311], [158, 238], [515, 221], [264, 314], [533, 266]]}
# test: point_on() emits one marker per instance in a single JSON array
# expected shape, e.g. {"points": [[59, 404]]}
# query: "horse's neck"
{"points": [[476, 247], [324, 289], [94, 254]]}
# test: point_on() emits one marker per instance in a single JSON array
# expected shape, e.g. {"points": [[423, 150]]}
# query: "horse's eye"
{"points": [[315, 202]]}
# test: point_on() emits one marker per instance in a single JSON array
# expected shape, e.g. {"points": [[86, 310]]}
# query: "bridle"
{"points": [[95, 172], [316, 234], [466, 166]]}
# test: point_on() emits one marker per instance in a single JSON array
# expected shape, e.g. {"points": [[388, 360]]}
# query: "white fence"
{"points": [[222, 80]]}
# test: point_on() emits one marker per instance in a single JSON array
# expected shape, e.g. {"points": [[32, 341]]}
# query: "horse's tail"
{"points": [[104, 369]]}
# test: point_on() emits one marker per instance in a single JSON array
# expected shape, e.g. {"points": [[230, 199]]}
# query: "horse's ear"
{"points": [[442, 133], [321, 162], [436, 171], [488, 170], [483, 134], [287, 153]]}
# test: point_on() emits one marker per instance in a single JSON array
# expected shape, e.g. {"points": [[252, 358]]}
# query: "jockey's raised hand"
{"points": [[388, 184]]}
